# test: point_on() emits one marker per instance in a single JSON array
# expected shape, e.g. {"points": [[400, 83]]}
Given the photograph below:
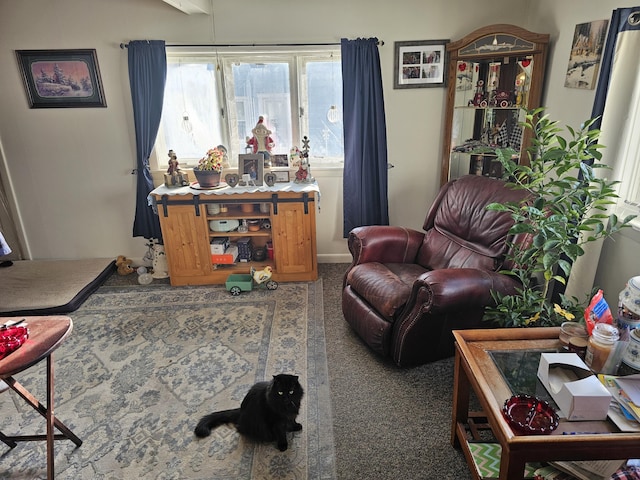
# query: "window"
{"points": [[629, 189], [217, 98]]}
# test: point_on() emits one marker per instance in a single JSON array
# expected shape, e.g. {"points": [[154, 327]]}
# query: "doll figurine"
{"points": [[174, 167], [174, 176], [261, 142]]}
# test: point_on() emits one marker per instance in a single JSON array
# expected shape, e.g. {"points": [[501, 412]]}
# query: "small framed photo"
{"points": [[280, 160], [420, 63], [282, 176], [252, 165], [61, 78]]}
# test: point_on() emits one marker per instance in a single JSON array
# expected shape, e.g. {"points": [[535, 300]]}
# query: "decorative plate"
{"points": [[11, 338], [196, 186], [529, 415]]}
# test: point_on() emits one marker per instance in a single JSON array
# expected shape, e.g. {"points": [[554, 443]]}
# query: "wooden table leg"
{"points": [[461, 393], [511, 466], [50, 419], [7, 441], [42, 410]]}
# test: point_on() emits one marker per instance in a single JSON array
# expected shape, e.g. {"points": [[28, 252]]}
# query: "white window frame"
{"points": [[224, 59], [628, 202]]}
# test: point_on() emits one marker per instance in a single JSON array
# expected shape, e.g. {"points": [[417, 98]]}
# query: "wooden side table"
{"points": [[45, 335], [475, 370]]}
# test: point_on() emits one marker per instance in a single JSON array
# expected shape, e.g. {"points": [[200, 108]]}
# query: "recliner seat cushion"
{"points": [[385, 287]]}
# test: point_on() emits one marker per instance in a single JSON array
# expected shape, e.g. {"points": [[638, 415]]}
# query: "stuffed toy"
{"points": [[124, 265]]}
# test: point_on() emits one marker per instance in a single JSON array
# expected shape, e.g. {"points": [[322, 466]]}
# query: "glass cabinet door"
{"points": [[493, 79]]}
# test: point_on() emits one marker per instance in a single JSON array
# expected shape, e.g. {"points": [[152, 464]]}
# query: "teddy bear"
{"points": [[124, 265]]}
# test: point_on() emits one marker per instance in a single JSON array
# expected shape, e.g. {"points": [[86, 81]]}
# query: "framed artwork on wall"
{"points": [[252, 165], [61, 78], [586, 53], [420, 63]]}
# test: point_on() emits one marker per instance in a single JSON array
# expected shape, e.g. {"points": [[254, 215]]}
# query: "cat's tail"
{"points": [[215, 419]]}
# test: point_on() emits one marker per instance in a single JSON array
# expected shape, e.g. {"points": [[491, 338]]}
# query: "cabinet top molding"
{"points": [[498, 39]]}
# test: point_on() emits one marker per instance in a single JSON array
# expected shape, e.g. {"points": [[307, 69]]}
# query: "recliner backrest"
{"points": [[461, 232]]}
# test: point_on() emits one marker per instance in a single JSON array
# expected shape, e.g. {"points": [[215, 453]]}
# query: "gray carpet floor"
{"points": [[388, 423]]}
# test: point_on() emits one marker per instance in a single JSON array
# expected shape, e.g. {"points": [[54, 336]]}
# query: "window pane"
{"points": [[324, 119], [190, 115], [297, 93], [262, 89]]}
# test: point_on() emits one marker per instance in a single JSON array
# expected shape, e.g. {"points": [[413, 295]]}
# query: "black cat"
{"points": [[266, 414]]}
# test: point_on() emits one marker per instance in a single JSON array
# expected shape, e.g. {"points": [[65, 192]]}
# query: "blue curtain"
{"points": [[622, 20], [365, 199], [147, 76]]}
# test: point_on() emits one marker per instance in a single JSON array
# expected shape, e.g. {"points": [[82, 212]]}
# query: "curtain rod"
{"points": [[379, 43]]}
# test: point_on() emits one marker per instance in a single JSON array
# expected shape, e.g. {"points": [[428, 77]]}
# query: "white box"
{"points": [[574, 387], [219, 245]]}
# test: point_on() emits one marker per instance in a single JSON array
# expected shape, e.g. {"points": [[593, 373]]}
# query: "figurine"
{"points": [[261, 276], [174, 176], [225, 157], [261, 142], [294, 157], [303, 175], [160, 266], [174, 166]]}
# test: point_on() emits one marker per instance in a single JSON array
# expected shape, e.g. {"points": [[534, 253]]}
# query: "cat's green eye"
{"points": [[279, 393], [290, 392]]}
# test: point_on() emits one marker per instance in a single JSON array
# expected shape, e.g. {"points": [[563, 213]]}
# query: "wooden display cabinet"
{"points": [[187, 234], [495, 74]]}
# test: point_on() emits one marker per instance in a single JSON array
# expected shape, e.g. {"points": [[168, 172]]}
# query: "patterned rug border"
{"points": [[320, 449]]}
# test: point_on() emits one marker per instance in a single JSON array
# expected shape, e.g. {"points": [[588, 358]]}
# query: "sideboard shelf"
{"points": [[185, 223]]}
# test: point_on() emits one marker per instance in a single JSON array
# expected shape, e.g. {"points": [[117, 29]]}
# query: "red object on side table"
{"points": [[45, 335]]}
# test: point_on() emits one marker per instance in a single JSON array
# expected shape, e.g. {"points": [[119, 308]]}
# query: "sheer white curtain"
{"points": [[618, 103]]}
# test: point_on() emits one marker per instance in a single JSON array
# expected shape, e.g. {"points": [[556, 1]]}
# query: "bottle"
{"points": [[602, 340], [629, 305]]}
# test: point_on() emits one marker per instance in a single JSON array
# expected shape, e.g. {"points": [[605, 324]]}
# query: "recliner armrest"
{"points": [[384, 244], [459, 288]]}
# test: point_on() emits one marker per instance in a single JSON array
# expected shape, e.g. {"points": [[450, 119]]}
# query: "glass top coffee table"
{"points": [[481, 361]]}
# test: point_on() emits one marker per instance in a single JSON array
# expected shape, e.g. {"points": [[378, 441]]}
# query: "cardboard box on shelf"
{"points": [[576, 390], [219, 245], [227, 258]]}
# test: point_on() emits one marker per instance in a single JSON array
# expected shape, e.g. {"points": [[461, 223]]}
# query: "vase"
{"points": [[207, 178]]}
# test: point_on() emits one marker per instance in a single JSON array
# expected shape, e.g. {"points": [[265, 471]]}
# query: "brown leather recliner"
{"points": [[406, 290]]}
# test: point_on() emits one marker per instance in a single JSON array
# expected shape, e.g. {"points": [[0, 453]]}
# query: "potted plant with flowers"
{"points": [[209, 168], [567, 208]]}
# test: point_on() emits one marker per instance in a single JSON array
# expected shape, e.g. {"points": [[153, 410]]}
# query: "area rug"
{"points": [[49, 287], [141, 367]]}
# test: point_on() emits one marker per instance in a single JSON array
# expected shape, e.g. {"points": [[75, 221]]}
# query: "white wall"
{"points": [[70, 168], [619, 260]]}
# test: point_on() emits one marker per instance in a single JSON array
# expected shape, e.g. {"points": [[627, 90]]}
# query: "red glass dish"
{"points": [[11, 338], [529, 415]]}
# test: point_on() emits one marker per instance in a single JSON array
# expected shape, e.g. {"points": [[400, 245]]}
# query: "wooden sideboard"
{"points": [[186, 215]]}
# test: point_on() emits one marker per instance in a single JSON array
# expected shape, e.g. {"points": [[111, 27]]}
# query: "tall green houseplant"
{"points": [[567, 209]]}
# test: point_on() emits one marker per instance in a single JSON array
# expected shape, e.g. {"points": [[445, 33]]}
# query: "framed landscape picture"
{"points": [[586, 53], [61, 78]]}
